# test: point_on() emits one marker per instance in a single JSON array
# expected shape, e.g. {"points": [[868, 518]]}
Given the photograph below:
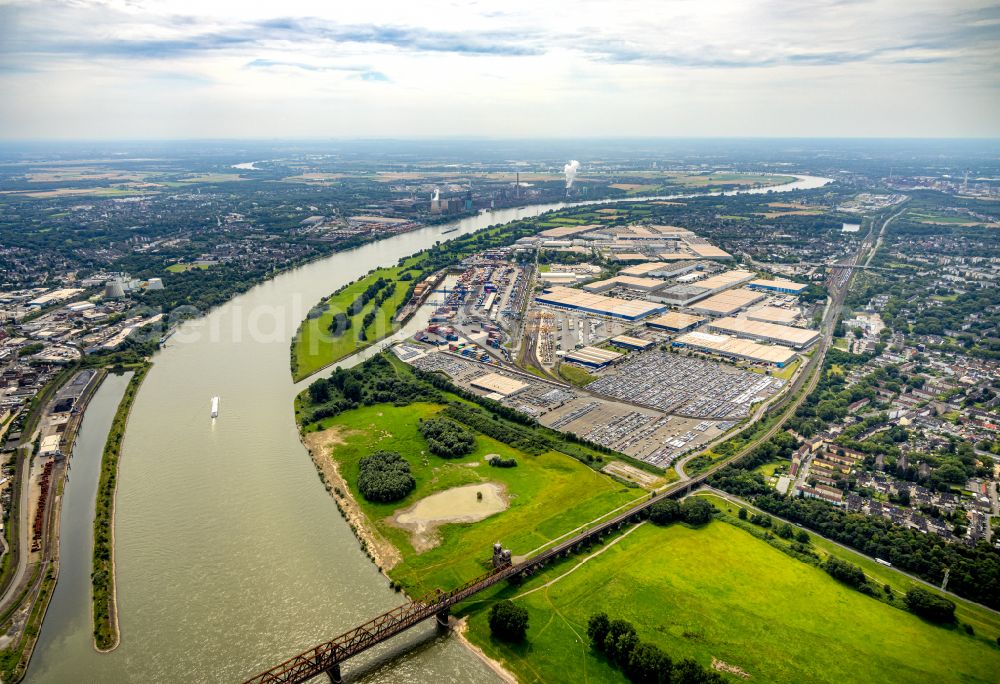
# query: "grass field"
{"points": [[940, 218], [714, 179], [213, 178], [767, 470], [575, 375], [985, 622], [720, 592], [549, 494], [181, 268], [315, 348]]}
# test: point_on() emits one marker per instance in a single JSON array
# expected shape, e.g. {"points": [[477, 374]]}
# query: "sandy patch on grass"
{"points": [[461, 627], [723, 666], [465, 504], [320, 446]]}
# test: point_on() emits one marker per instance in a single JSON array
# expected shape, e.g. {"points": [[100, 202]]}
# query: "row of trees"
{"points": [[371, 315], [366, 296], [693, 510], [642, 662]]}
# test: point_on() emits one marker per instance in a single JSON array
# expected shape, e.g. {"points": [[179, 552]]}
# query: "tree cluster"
{"points": [[446, 438], [642, 662], [508, 621], [384, 477], [375, 381], [501, 462], [930, 606], [842, 571]]}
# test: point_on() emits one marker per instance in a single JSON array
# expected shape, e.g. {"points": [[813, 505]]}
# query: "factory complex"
{"points": [[736, 348], [686, 294], [632, 343], [651, 348], [674, 321], [778, 285], [627, 309], [660, 269], [727, 303], [630, 282], [593, 357], [772, 314], [799, 338]]}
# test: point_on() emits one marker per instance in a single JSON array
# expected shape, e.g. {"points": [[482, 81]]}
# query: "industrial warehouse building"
{"points": [[677, 256], [778, 285], [633, 343], [733, 347], [674, 321], [660, 269], [683, 295], [707, 251], [630, 282], [727, 303], [629, 310], [773, 314], [592, 357], [629, 257], [800, 338], [498, 384]]}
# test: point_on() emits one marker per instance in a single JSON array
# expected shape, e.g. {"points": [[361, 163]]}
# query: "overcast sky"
{"points": [[518, 68]]}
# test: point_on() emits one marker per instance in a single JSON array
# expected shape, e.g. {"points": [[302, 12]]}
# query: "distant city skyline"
{"points": [[147, 69]]}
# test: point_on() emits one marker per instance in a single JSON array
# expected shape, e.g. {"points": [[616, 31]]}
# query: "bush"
{"points": [[696, 510], [446, 438], [500, 462], [508, 621], [930, 606], [665, 512], [845, 572], [385, 476]]}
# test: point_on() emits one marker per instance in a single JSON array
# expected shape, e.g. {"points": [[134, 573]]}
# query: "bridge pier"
{"points": [[334, 674], [442, 618]]}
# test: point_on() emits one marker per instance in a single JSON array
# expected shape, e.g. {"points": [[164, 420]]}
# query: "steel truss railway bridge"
{"points": [[328, 657]]}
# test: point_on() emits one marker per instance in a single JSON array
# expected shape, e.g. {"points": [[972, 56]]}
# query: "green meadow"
{"points": [[315, 348], [548, 495], [720, 592]]}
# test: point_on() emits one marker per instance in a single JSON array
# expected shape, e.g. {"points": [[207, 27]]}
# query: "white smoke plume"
{"points": [[570, 171], [436, 196]]}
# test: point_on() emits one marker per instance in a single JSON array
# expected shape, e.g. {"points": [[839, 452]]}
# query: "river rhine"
{"points": [[231, 556]]}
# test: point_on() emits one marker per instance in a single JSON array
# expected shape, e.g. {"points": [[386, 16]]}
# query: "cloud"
{"points": [[364, 73], [641, 67], [373, 76]]}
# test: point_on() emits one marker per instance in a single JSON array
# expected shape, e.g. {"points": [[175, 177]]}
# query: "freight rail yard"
{"points": [[654, 349]]}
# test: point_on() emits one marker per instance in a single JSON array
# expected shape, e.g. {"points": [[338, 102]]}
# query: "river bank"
{"points": [[380, 550], [107, 633]]}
